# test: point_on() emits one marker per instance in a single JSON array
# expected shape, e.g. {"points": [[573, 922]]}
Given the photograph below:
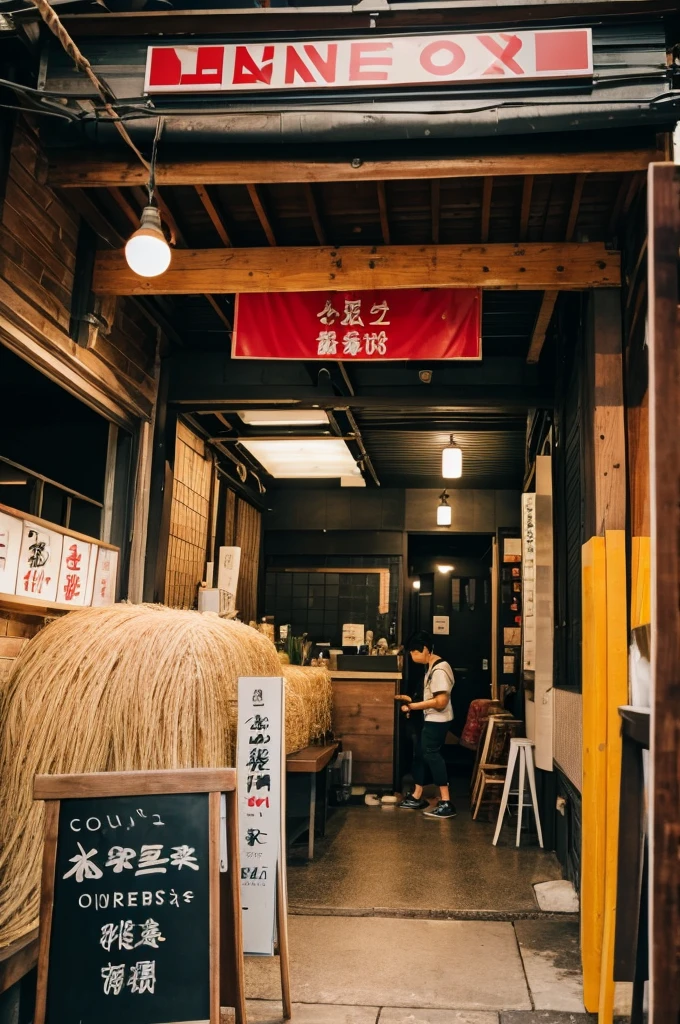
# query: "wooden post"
{"points": [[664, 404], [604, 654]]}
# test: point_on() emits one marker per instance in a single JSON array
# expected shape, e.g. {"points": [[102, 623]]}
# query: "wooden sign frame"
{"points": [[226, 944]]}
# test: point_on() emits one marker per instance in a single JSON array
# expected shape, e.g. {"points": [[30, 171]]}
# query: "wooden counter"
{"points": [[364, 715]]}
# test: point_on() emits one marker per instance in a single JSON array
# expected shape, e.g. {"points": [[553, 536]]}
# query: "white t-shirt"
{"points": [[438, 679]]}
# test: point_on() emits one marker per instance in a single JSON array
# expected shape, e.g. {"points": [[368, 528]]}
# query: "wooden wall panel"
{"points": [[16, 630], [39, 232], [248, 535], [189, 519]]}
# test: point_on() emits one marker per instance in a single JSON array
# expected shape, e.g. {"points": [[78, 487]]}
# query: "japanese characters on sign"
{"points": [[373, 325], [130, 921], [38, 563], [258, 765], [505, 56], [529, 579]]}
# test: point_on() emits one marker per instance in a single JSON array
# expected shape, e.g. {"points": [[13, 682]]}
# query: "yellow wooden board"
{"points": [[593, 859]]}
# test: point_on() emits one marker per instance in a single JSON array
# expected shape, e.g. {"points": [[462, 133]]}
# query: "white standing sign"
{"points": [[228, 569], [39, 563], [259, 762], [529, 580]]}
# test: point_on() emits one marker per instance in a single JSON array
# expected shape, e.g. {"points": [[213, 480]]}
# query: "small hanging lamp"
{"points": [[147, 252], [452, 461], [443, 510]]}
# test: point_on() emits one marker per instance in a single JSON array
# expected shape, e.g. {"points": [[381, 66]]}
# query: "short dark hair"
{"points": [[420, 640]]}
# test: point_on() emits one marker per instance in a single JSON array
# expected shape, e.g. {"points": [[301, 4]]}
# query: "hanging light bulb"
{"points": [[147, 252], [452, 461], [444, 510], [416, 584]]}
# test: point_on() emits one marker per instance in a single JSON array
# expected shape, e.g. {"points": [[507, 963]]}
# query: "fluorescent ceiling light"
{"points": [[313, 458], [283, 417]]}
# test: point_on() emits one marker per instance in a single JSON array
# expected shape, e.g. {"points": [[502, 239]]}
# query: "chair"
{"points": [[493, 759], [524, 750]]}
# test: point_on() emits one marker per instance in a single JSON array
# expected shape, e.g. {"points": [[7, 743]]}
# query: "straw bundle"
{"points": [[109, 689], [312, 693]]}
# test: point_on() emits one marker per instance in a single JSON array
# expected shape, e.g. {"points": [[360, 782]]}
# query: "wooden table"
{"points": [[303, 769]]}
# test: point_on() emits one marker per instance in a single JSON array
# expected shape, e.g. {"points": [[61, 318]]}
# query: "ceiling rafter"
{"points": [[575, 207], [216, 219], [542, 323], [525, 209], [265, 223], [487, 192], [384, 213], [313, 208]]}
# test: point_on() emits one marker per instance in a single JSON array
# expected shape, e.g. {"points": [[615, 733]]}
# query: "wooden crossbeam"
{"points": [[76, 169], [256, 200], [535, 266], [384, 217], [213, 213], [541, 327], [123, 204], [220, 312], [527, 191]]}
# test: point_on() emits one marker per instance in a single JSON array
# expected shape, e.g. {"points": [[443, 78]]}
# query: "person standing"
{"points": [[438, 715]]}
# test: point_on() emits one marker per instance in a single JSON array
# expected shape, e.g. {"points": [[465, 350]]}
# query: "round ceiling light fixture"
{"points": [[147, 251]]}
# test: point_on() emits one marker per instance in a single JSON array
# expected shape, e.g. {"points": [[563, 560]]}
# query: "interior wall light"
{"points": [[452, 461], [147, 251], [443, 510], [416, 584], [445, 568]]}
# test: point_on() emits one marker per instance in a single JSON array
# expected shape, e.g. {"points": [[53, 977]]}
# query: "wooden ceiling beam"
{"points": [[533, 266], [123, 204], [220, 312], [525, 210], [384, 215], [80, 201], [256, 200], [436, 201], [313, 208], [487, 192], [541, 327], [576, 197], [214, 215], [76, 169]]}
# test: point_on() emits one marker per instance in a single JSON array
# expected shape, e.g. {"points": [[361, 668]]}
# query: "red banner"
{"points": [[377, 325]]}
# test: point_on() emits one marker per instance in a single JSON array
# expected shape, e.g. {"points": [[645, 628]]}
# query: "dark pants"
{"points": [[428, 754]]}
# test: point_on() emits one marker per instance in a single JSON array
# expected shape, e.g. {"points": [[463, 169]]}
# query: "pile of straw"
{"points": [[129, 687], [308, 705]]}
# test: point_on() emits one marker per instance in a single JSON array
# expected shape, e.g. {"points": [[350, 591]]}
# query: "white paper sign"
{"points": [[227, 575], [39, 563], [11, 531], [529, 580], [353, 634], [105, 578], [73, 573], [259, 769], [440, 625]]}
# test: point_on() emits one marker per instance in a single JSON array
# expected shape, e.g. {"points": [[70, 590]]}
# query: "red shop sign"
{"points": [[379, 61], [374, 325]]}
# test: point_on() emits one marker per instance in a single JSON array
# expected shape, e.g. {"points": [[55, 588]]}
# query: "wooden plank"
{"points": [[313, 208], [49, 865], [608, 440], [214, 808], [541, 326], [525, 210], [126, 207], [83, 170], [577, 195], [617, 695], [640, 589], [487, 192], [215, 218], [265, 223], [220, 312], [384, 215], [378, 748], [372, 773], [594, 792], [17, 959], [664, 374], [311, 759], [181, 780], [536, 266]]}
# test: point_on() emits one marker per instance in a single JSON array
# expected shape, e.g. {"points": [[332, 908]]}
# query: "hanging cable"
{"points": [[53, 22]]}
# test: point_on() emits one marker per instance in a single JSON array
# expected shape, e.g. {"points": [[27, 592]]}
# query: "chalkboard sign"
{"points": [[130, 911]]}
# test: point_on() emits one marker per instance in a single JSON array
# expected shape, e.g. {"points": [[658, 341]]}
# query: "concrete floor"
{"points": [[380, 859], [405, 920]]}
